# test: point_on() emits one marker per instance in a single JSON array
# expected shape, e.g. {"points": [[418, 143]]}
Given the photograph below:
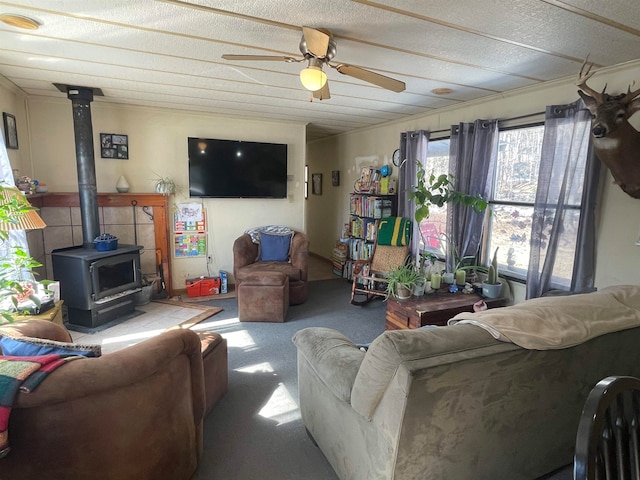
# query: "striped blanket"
{"points": [[395, 231], [22, 374]]}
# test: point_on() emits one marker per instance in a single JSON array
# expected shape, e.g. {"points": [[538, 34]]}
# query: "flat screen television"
{"points": [[237, 169]]}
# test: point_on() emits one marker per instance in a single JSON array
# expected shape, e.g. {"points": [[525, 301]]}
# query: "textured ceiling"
{"points": [[168, 53]]}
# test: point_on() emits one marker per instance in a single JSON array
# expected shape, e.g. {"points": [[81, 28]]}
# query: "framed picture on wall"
{"points": [[10, 130], [114, 145], [335, 178], [316, 183]]}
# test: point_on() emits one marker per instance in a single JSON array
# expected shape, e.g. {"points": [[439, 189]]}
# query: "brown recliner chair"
{"points": [[135, 413], [245, 265]]}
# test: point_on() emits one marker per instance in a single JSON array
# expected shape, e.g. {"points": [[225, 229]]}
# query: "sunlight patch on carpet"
{"points": [[216, 323], [239, 339], [281, 407], [264, 367]]}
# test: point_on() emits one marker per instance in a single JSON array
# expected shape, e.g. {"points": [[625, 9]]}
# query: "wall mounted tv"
{"points": [[237, 169]]}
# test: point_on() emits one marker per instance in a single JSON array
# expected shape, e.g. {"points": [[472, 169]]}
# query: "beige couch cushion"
{"points": [[561, 322]]}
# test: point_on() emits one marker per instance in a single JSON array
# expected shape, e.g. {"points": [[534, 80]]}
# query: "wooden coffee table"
{"points": [[432, 309]]}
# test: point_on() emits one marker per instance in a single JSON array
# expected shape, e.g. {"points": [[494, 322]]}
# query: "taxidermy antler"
{"points": [[616, 142]]}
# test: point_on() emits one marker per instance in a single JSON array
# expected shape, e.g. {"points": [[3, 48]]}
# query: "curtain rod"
{"points": [[446, 130]]}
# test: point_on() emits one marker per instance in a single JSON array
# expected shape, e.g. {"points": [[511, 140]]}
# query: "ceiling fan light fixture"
{"points": [[19, 21], [313, 78]]}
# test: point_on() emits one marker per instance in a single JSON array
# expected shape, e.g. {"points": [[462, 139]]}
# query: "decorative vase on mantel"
{"points": [[122, 186]]}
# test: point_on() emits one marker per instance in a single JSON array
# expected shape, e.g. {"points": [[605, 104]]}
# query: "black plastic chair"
{"points": [[608, 440]]}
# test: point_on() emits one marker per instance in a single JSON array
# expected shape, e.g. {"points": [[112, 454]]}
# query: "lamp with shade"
{"points": [[16, 213]]}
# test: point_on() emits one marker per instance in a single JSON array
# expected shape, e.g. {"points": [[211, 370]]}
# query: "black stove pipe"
{"points": [[81, 97]]}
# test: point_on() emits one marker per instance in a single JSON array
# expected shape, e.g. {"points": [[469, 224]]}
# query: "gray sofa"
{"points": [[455, 403]]}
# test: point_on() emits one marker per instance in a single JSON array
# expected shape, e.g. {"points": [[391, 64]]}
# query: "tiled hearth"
{"points": [[64, 229]]}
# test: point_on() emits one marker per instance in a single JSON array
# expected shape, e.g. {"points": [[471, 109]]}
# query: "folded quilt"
{"points": [[22, 374], [560, 322]]}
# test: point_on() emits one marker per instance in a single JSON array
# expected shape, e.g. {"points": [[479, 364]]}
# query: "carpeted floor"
{"points": [[255, 432]]}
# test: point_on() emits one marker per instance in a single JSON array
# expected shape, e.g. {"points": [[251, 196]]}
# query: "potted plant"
{"points": [[438, 191], [492, 287], [402, 281], [14, 261], [165, 186]]}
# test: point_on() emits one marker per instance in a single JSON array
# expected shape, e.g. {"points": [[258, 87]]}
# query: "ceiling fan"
{"points": [[318, 47]]}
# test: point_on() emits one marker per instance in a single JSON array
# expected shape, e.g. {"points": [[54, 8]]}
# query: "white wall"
{"points": [[618, 257], [12, 101], [158, 147]]}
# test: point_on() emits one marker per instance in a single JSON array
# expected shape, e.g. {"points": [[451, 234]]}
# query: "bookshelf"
{"points": [[365, 210]]}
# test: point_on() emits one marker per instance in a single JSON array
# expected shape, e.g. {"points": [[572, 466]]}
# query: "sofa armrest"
{"points": [[122, 369], [300, 254], [134, 413], [245, 252], [335, 359], [36, 328]]}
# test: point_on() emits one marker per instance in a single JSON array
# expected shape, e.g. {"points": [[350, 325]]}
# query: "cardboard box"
{"points": [[224, 278]]}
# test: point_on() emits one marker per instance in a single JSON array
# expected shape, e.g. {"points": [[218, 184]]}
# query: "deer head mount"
{"points": [[616, 142]]}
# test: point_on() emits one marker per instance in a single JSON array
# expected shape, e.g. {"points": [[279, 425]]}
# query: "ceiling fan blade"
{"points": [[375, 78], [323, 93], [274, 58], [317, 41]]}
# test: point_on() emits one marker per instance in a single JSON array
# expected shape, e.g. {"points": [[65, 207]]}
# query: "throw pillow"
{"points": [[254, 232], [274, 248], [30, 346]]}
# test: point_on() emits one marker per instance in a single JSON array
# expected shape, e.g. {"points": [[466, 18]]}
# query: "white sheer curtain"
{"points": [[563, 215], [413, 149]]}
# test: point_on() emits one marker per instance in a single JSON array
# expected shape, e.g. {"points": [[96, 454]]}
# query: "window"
{"points": [[433, 228], [512, 197]]}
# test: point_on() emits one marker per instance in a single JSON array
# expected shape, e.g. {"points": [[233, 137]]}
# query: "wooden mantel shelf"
{"points": [[72, 199], [160, 204]]}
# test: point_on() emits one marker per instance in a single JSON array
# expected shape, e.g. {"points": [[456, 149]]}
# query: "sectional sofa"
{"points": [[455, 402]]}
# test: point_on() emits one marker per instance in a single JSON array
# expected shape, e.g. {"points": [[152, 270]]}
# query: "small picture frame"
{"points": [[10, 131], [114, 145], [335, 178], [316, 183]]}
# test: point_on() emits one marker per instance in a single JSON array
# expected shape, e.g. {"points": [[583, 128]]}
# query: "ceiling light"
{"points": [[313, 78], [19, 21], [442, 91]]}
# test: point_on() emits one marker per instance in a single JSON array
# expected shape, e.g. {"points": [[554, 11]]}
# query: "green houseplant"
{"points": [[14, 261], [492, 287], [165, 186], [437, 191], [402, 281]]}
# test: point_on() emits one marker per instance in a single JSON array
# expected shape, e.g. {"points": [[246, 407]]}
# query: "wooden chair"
{"points": [[369, 280], [608, 439]]}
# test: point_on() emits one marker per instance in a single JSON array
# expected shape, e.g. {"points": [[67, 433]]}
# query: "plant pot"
{"points": [[402, 292], [427, 287], [490, 290], [419, 289], [448, 277]]}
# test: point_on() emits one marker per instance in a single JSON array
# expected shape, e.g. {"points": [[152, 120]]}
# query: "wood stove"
{"points": [[97, 287]]}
